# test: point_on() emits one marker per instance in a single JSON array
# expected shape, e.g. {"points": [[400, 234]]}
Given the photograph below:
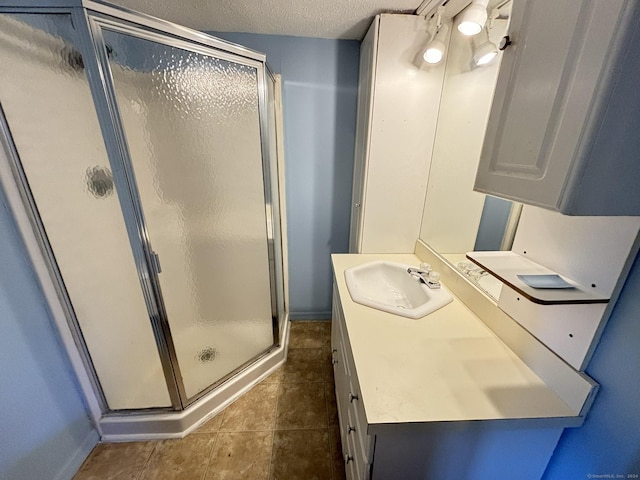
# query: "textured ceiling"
{"points": [[345, 19]]}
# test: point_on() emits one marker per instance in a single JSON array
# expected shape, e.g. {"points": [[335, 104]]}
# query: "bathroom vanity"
{"points": [[483, 387], [443, 396]]}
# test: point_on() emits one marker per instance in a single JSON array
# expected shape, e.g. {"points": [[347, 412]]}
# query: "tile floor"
{"points": [[285, 428]]}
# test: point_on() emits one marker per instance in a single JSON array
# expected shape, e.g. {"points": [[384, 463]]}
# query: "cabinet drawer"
{"points": [[342, 419], [356, 444], [340, 372], [339, 339], [350, 464], [358, 422], [354, 460]]}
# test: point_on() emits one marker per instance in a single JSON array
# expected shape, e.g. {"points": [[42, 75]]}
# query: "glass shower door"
{"points": [[191, 120], [45, 96]]}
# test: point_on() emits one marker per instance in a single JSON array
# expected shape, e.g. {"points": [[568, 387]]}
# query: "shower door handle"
{"points": [[155, 260]]}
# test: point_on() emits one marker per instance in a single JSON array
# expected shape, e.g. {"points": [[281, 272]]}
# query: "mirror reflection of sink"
{"points": [[388, 287]]}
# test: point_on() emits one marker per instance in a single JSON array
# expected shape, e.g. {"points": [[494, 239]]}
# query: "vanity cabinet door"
{"points": [[564, 99], [357, 445]]}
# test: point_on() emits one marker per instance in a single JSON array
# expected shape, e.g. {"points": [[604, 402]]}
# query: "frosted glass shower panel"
{"points": [[49, 109], [192, 126]]}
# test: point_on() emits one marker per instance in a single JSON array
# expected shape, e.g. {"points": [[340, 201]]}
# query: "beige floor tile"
{"points": [[116, 461], [336, 454], [308, 365], [239, 443], [255, 410], [332, 407], [301, 405], [212, 425], [241, 456], [301, 455], [186, 458], [306, 334]]}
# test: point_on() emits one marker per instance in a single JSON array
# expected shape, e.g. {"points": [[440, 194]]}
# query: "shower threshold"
{"points": [[156, 424]]}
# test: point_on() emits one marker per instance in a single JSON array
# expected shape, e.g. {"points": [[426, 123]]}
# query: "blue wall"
{"points": [[609, 440], [493, 222], [320, 90], [45, 432]]}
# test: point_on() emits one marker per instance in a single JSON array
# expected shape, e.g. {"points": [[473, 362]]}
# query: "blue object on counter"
{"points": [[545, 281]]}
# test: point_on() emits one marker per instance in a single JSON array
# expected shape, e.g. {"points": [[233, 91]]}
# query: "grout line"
{"points": [[253, 430], [273, 443], [213, 445], [273, 431], [275, 413], [146, 463], [326, 404], [330, 444], [307, 381], [296, 429], [331, 462], [303, 429]]}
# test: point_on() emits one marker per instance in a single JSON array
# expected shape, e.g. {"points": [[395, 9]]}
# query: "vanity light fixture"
{"points": [[484, 50], [434, 51], [473, 18]]}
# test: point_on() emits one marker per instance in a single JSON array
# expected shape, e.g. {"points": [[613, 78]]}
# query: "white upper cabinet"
{"points": [[398, 100], [564, 127]]}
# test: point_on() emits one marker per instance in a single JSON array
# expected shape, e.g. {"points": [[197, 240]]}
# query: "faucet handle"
{"points": [[434, 277], [425, 267]]}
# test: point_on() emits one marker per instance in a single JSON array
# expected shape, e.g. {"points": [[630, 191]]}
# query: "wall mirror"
{"points": [[456, 219]]}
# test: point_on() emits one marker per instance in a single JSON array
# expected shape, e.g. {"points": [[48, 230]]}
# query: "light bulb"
{"points": [[434, 52], [486, 58], [473, 18], [485, 53]]}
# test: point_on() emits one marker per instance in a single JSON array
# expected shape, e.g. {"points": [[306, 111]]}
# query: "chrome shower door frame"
{"points": [[98, 17], [90, 18]]}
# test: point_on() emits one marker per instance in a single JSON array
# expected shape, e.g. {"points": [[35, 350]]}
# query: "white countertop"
{"points": [[446, 366]]}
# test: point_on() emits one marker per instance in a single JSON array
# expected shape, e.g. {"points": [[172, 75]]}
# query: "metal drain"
{"points": [[207, 355]]}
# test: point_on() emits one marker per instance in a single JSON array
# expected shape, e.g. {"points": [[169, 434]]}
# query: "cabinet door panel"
{"points": [[545, 95], [363, 132]]}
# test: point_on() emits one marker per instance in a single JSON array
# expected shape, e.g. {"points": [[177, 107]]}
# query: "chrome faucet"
{"points": [[429, 278]]}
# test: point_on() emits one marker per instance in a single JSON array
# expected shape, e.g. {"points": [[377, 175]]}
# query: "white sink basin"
{"points": [[388, 287]]}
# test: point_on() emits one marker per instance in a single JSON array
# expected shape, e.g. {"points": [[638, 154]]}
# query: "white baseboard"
{"points": [[79, 456]]}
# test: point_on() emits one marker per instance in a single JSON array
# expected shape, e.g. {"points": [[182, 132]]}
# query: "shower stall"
{"points": [[142, 159]]}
